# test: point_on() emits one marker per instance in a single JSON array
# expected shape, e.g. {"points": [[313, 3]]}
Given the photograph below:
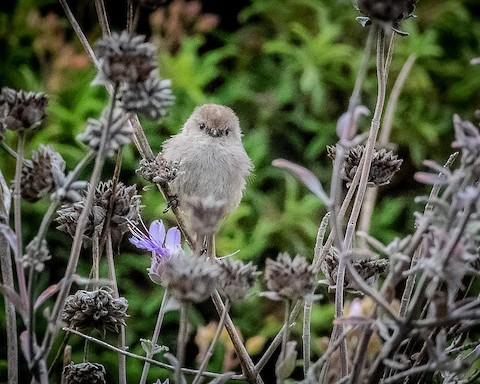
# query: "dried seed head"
{"points": [[190, 279], [124, 57], [152, 98], [95, 310], [36, 255], [204, 214], [290, 279], [386, 11], [236, 278], [84, 373], [125, 208], [119, 131], [368, 268], [43, 174], [384, 165], [159, 170], [20, 110]]}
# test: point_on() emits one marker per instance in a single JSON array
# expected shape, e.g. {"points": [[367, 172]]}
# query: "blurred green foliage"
{"points": [[288, 71]]}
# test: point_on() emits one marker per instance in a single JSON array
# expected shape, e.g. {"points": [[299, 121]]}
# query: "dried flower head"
{"points": [[204, 214], [95, 310], [125, 207], [384, 165], [119, 131], [290, 279], [124, 57], [20, 110], [190, 279], [368, 268], [236, 278], [84, 373], [159, 170], [36, 255], [151, 98], [43, 174], [390, 12]]}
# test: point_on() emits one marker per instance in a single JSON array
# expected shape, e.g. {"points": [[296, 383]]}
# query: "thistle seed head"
{"points": [[124, 57], [43, 174], [84, 373], [119, 131], [95, 310], [125, 209], [20, 110], [290, 278], [190, 279], [151, 98], [236, 278], [36, 255]]}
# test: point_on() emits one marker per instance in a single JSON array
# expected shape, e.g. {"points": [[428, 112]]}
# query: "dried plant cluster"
{"points": [[413, 313]]}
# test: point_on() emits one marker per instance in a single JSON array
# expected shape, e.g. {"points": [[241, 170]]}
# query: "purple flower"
{"points": [[163, 247], [156, 241]]}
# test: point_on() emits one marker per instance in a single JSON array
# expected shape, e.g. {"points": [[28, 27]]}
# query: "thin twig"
{"points": [[156, 334], [209, 353], [102, 17], [143, 358], [7, 279], [181, 341]]}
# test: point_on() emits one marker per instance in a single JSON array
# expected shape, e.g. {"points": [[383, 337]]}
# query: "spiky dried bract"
{"points": [[119, 131], [384, 165], [36, 255], [386, 11], [84, 373], [124, 57], [43, 174], [151, 98], [290, 278], [95, 310], [159, 170], [236, 278], [204, 214], [368, 268], [20, 110], [190, 279], [125, 209]]}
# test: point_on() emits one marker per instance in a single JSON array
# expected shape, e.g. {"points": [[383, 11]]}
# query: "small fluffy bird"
{"points": [[212, 168]]}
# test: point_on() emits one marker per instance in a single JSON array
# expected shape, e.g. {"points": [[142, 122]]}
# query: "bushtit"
{"points": [[212, 168]]}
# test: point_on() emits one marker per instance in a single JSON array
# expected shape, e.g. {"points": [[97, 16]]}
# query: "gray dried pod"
{"points": [[43, 174], [159, 170], [290, 278], [125, 209], [368, 268], [190, 279], [124, 57], [384, 165], [20, 110], [119, 131], [151, 98], [84, 373], [36, 255], [95, 310], [236, 278]]}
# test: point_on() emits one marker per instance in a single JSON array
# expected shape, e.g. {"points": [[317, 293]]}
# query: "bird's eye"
{"points": [[202, 126], [227, 131]]}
